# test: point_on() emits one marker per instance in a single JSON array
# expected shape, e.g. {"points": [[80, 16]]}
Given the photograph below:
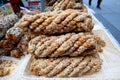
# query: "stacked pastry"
{"points": [[64, 57], [6, 28], [15, 41], [66, 66], [70, 44], [69, 55], [65, 4], [65, 47], [6, 23], [70, 4], [58, 22], [9, 43], [52, 2]]}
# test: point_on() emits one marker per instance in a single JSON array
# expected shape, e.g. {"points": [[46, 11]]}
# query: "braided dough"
{"points": [[69, 44], [14, 34], [66, 66], [7, 44], [70, 4], [6, 23], [58, 22], [64, 4]]}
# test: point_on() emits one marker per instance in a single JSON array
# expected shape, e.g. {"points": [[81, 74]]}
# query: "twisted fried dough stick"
{"points": [[66, 66], [69, 44], [58, 22]]}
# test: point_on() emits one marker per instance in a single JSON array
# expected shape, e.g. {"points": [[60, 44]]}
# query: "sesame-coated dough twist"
{"points": [[6, 23], [70, 4], [69, 44], [64, 4], [57, 22], [14, 33], [65, 66]]}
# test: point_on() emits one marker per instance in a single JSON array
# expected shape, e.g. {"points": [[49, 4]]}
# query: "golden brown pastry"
{"points": [[7, 44], [16, 53], [70, 4], [69, 44], [65, 66], [7, 22], [7, 67], [23, 43], [58, 22], [14, 34], [64, 4]]}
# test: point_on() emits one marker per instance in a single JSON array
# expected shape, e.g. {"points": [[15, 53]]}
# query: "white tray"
{"points": [[110, 66]]}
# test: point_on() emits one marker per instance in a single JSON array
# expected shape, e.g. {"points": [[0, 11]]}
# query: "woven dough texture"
{"points": [[7, 22], [69, 44], [57, 22], [66, 66], [70, 4]]}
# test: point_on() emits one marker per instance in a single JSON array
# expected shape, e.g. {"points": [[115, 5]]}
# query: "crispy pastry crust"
{"points": [[66, 66], [57, 22], [6, 67], [69, 44]]}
